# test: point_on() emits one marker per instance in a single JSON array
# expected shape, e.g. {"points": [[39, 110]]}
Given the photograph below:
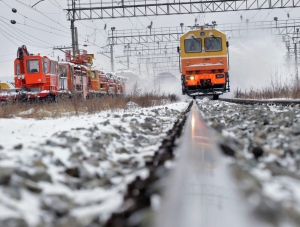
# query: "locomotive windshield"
{"points": [[192, 45], [213, 44], [33, 66]]}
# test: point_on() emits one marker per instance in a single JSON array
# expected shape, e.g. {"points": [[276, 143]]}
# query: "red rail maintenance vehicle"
{"points": [[36, 77]]}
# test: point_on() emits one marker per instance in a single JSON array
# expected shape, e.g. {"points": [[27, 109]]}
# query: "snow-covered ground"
{"points": [[74, 171]]}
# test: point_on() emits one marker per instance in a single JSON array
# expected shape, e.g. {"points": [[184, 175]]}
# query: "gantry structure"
{"points": [[102, 9], [232, 30]]}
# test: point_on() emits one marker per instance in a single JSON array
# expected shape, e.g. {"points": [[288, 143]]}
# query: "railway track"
{"points": [[202, 192], [231, 173], [255, 183], [255, 101]]}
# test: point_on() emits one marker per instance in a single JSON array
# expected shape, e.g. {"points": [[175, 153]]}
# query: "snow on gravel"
{"points": [[74, 171], [267, 155]]}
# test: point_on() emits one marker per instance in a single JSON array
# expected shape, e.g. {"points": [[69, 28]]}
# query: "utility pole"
{"points": [[73, 28], [126, 54], [139, 62], [128, 46], [296, 60], [112, 50]]}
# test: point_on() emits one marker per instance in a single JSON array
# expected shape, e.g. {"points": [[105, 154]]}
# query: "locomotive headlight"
{"points": [[190, 78], [19, 77], [219, 76], [23, 76]]}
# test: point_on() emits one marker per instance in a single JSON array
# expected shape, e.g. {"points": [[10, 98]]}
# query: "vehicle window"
{"points": [[45, 63], [18, 68], [62, 71], [33, 66], [77, 73], [213, 44], [192, 45], [53, 67], [93, 74]]}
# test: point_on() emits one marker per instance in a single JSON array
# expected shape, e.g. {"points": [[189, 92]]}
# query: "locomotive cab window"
{"points": [[62, 71], [213, 44], [18, 69], [45, 64], [53, 67], [33, 66], [192, 45]]}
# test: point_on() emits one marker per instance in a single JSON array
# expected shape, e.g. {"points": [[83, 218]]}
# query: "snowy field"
{"points": [[74, 171]]}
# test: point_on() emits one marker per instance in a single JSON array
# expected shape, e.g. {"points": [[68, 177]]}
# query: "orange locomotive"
{"points": [[204, 62], [36, 77]]}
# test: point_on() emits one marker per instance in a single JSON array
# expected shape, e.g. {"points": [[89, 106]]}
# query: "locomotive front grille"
{"points": [[205, 83]]}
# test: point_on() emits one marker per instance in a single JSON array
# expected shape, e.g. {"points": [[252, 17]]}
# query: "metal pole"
{"points": [[128, 46], [127, 61], [147, 66], [296, 63], [76, 41], [112, 57], [112, 50], [72, 28]]}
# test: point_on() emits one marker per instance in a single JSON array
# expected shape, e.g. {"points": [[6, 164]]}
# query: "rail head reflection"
{"points": [[201, 191], [204, 154]]}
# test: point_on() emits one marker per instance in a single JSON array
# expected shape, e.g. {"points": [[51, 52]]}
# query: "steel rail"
{"points": [[201, 191], [289, 102]]}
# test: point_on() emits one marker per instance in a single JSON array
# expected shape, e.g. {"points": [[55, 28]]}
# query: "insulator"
{"points": [[13, 21], [14, 10]]}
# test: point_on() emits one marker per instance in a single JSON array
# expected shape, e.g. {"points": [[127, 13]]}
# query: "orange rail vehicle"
{"points": [[36, 77], [72, 80], [103, 78], [94, 84], [112, 84], [204, 62]]}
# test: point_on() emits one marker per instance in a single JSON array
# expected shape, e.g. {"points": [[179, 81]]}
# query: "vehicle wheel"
{"points": [[55, 98], [215, 97]]}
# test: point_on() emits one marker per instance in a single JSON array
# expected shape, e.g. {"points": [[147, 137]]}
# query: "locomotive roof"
{"points": [[198, 29]]}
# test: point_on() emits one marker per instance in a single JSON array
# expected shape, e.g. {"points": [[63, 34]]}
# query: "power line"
{"points": [[38, 12], [31, 51], [10, 27], [7, 37], [35, 20]]}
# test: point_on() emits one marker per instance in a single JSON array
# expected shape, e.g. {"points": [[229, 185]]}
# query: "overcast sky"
{"points": [[45, 26]]}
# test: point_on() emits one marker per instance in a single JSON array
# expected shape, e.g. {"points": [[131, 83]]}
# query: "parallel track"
{"points": [[290, 102]]}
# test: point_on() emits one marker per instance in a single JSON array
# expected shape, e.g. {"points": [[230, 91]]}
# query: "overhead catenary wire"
{"points": [[27, 18], [44, 25], [12, 59], [40, 13], [19, 31]]}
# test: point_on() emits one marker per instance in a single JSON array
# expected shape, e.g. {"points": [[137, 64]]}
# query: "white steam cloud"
{"points": [[254, 60]]}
